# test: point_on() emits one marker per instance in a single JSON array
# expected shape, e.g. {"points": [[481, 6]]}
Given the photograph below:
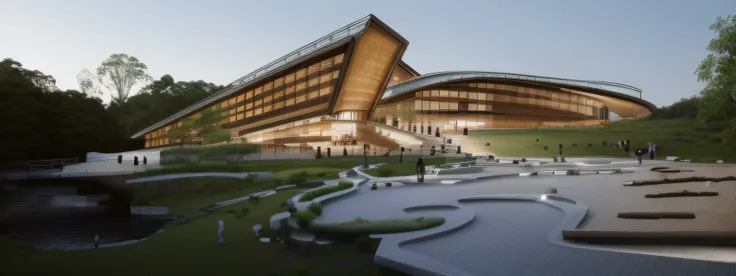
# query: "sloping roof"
{"points": [[330, 41]]}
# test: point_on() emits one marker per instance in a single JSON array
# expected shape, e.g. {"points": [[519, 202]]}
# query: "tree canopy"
{"points": [[718, 71]]}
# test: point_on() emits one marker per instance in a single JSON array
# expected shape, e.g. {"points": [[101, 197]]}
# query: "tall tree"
{"points": [[88, 83], [718, 71], [119, 73]]}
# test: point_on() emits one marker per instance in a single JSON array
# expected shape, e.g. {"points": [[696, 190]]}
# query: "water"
{"points": [[56, 218]]}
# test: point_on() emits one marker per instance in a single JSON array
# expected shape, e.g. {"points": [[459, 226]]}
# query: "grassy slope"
{"points": [[681, 137], [191, 249]]}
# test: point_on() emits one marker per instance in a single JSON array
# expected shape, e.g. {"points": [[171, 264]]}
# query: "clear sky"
{"points": [[654, 45]]}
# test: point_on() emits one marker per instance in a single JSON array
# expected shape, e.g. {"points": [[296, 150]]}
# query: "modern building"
{"points": [[352, 87]]}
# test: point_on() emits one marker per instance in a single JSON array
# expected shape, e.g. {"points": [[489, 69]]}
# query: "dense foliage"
{"points": [[325, 190], [39, 121], [715, 107]]}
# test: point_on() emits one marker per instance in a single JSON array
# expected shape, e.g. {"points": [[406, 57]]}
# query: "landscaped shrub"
{"points": [[297, 177], [315, 208], [303, 217], [326, 190], [360, 227], [384, 171], [213, 151]]}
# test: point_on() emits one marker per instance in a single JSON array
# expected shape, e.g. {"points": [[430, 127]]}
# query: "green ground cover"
{"points": [[360, 227], [326, 190], [675, 137], [191, 249]]}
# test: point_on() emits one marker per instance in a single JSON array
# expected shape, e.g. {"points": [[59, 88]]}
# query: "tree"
{"points": [[88, 83], [183, 133], [40, 122], [207, 127], [718, 71], [119, 73]]}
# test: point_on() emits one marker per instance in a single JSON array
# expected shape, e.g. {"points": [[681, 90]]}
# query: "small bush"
{"points": [[303, 217], [297, 177], [384, 171], [321, 174], [315, 208], [326, 190]]}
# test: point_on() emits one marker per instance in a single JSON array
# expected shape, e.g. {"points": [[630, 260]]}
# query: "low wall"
{"points": [[149, 211]]}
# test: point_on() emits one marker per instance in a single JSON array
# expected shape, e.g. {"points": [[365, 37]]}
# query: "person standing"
{"points": [[221, 232], [97, 241]]}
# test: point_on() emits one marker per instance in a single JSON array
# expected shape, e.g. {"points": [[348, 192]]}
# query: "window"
{"points": [[324, 91], [267, 99], [249, 105], [240, 116], [313, 82], [472, 95], [278, 94], [289, 78], [278, 105], [314, 68], [435, 93], [267, 108], [338, 58], [289, 102], [325, 64], [300, 99], [278, 82], [241, 108], [258, 102], [249, 114], [443, 105], [268, 86], [463, 95], [249, 95], [241, 98], [258, 111], [231, 119], [289, 90], [231, 101], [444, 93], [326, 77], [481, 96], [473, 84], [300, 74], [335, 74], [426, 94], [301, 86], [223, 104], [434, 105], [232, 111], [452, 106], [258, 91], [313, 94], [453, 94]]}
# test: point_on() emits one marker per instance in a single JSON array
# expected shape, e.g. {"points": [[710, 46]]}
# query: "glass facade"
{"points": [[301, 87], [484, 105]]}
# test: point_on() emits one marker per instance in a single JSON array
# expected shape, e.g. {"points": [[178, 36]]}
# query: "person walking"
{"points": [[221, 232]]}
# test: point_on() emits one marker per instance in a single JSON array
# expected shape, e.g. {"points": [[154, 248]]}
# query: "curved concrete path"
{"points": [[197, 175]]}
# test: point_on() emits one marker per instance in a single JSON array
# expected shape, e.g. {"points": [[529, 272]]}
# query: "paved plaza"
{"points": [[523, 237]]}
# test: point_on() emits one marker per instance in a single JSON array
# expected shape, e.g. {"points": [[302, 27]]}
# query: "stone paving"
{"points": [[511, 238]]}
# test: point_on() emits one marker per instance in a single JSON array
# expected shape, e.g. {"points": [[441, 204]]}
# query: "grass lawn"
{"points": [[191, 249], [409, 167], [359, 227], [678, 137]]}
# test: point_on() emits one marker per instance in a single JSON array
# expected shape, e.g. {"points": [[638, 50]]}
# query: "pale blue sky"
{"points": [[654, 45]]}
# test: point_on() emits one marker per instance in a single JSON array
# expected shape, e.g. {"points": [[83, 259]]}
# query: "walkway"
{"points": [[513, 238]]}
